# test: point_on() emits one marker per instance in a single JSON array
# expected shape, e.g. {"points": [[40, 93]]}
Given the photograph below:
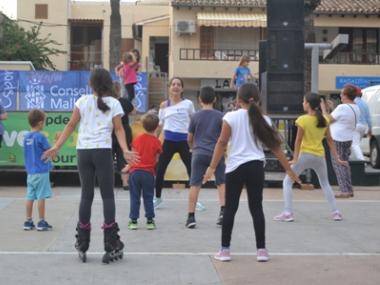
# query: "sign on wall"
{"points": [[360, 81]]}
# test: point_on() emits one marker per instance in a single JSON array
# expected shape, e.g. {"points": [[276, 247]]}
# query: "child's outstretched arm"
{"points": [[130, 156], [297, 145], [218, 151], [285, 164], [52, 152], [332, 148]]}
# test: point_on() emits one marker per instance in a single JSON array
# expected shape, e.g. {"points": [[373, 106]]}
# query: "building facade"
{"points": [[82, 28], [202, 41]]}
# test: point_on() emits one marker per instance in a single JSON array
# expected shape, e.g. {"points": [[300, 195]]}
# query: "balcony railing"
{"points": [[353, 58], [217, 54]]}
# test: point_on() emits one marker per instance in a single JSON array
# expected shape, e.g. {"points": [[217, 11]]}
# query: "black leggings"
{"points": [[96, 163], [117, 152], [169, 148], [130, 91], [250, 174]]}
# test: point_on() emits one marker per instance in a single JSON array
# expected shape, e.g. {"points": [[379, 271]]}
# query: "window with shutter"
{"points": [[41, 11], [206, 42]]}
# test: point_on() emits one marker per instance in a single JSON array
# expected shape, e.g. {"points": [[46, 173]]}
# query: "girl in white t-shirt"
{"points": [[97, 115], [343, 122], [247, 130], [174, 114]]}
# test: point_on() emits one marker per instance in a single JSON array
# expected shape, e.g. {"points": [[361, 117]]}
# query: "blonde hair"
{"points": [[244, 58], [129, 57]]}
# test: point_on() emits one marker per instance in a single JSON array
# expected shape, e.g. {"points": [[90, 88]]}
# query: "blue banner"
{"points": [[141, 91], [55, 91], [51, 91], [8, 89], [360, 81]]}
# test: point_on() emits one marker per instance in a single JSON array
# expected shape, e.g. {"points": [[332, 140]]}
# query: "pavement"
{"points": [[312, 250]]}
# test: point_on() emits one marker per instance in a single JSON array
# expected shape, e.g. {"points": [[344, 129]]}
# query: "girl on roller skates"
{"points": [[97, 115]]}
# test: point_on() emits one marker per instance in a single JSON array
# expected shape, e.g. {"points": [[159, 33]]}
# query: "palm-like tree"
{"points": [[115, 34], [310, 6]]}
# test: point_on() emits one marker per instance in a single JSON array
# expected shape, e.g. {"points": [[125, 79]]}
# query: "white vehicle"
{"points": [[371, 146]]}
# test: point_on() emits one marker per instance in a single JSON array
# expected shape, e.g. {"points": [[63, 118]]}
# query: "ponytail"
{"points": [[321, 119], [315, 104], [262, 131], [101, 105], [101, 83]]}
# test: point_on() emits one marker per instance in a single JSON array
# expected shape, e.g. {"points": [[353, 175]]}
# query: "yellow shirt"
{"points": [[313, 136]]}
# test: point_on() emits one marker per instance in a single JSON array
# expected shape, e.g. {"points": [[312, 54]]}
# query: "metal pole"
{"points": [[314, 69], [315, 63]]}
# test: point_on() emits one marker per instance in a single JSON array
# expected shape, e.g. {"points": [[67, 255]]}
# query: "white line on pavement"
{"points": [[195, 253]]}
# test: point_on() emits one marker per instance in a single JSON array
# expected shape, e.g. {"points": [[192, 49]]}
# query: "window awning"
{"points": [[214, 19]]}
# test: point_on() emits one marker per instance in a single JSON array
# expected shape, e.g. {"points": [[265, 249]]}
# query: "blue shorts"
{"points": [[199, 164], [38, 186]]}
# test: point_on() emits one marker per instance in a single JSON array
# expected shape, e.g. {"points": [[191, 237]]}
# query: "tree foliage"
{"points": [[18, 44]]}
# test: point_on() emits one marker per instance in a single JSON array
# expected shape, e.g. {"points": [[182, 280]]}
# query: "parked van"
{"points": [[371, 146]]}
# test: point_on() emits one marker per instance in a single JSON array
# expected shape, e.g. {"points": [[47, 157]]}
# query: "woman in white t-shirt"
{"points": [[343, 122], [174, 114], [247, 130], [97, 115]]}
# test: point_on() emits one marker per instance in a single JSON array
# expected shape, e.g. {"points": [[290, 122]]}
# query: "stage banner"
{"points": [[51, 91], [8, 89], [16, 126], [55, 91]]}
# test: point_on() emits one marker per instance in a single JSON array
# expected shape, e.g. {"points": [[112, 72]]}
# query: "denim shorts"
{"points": [[38, 186], [199, 164]]}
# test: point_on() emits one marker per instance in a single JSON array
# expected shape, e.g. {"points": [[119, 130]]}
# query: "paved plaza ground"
{"points": [[312, 250]]}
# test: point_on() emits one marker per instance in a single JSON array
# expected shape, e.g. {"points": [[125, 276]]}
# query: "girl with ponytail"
{"points": [[309, 153], [247, 130], [97, 115]]}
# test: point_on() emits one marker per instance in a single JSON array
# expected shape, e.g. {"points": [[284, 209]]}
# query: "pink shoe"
{"points": [[262, 255], [337, 216], [223, 255], [284, 217]]}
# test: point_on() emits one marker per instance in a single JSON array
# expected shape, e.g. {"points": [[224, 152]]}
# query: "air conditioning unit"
{"points": [[185, 27]]}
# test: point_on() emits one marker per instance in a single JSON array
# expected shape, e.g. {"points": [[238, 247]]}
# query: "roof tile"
{"points": [[326, 7]]}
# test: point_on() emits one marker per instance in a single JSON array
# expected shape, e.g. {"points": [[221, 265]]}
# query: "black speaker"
{"points": [[285, 14], [263, 47], [285, 56]]}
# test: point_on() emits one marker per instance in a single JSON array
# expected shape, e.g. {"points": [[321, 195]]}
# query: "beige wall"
{"points": [[159, 28], [328, 73], [130, 14], [62, 10], [347, 21], [57, 19]]}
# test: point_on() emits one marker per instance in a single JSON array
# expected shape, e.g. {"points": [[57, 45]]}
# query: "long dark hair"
{"points": [[101, 83], [315, 104], [262, 131]]}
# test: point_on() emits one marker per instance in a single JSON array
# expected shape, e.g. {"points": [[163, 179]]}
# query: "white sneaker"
{"points": [[337, 216], [284, 217], [262, 255], [223, 255], [156, 202]]}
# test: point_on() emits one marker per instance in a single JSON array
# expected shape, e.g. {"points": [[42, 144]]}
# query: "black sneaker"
{"points": [[191, 223]]}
